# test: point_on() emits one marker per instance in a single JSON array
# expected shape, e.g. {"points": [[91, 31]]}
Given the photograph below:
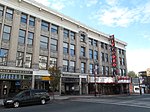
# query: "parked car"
{"points": [[28, 97]]}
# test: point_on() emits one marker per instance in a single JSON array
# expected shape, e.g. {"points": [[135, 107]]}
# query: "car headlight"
{"points": [[9, 101]]}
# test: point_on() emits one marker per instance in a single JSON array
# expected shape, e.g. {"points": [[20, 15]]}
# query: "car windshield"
{"points": [[20, 94]]}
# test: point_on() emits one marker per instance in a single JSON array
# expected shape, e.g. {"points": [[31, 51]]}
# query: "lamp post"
{"points": [[140, 78]]}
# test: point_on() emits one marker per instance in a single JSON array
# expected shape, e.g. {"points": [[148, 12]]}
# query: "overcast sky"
{"points": [[128, 20]]}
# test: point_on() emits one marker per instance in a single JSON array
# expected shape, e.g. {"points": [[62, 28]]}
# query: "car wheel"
{"points": [[16, 104], [43, 101]]}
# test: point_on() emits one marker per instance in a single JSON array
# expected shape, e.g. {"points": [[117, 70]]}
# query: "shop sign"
{"points": [[46, 78], [9, 76], [123, 79], [15, 71], [102, 79]]}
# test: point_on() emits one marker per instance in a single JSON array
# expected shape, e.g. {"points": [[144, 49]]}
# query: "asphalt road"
{"points": [[107, 104]]}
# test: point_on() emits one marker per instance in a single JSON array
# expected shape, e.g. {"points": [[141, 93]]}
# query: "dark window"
{"points": [[44, 42], [22, 35], [43, 62], [28, 61], [72, 35], [19, 59], [1, 10], [102, 56], [45, 26], [95, 42], [72, 50], [3, 57], [96, 55], [82, 38], [9, 13], [103, 70], [53, 44], [90, 53], [65, 48], [24, 18], [106, 57], [54, 29], [6, 32], [65, 65], [83, 67], [102, 45], [32, 21], [106, 46], [30, 38], [66, 33], [82, 52]]}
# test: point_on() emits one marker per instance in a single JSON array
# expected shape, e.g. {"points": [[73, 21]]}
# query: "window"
{"points": [[96, 55], [1, 10], [82, 51], [24, 18], [106, 57], [45, 26], [44, 42], [102, 56], [106, 46], [3, 57], [82, 67], [72, 66], [103, 70], [19, 59], [28, 61], [53, 44], [65, 65], [91, 54], [82, 38], [54, 29], [106, 70], [123, 61], [22, 35], [0, 27], [9, 13], [6, 32], [53, 62], [120, 60], [72, 50], [65, 48], [90, 41], [30, 38], [72, 35], [102, 45], [43, 62], [95, 42], [121, 72], [119, 51], [66, 33], [123, 52], [32, 21], [91, 69]]}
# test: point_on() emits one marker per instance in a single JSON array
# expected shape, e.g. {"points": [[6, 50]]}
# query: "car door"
{"points": [[26, 98]]}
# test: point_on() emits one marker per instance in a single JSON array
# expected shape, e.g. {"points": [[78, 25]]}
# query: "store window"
{"points": [[6, 32], [43, 62], [3, 57], [44, 42], [28, 61], [54, 45], [19, 59], [22, 36]]}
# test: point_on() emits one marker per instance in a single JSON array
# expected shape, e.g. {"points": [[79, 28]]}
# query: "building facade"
{"points": [[34, 37]]}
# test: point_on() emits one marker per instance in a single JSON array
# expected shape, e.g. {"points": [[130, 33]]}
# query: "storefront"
{"points": [[12, 81]]}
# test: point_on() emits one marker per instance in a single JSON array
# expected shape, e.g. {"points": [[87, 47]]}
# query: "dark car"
{"points": [[28, 97]]}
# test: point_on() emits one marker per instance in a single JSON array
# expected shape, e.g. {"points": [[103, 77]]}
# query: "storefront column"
{"points": [[80, 86]]}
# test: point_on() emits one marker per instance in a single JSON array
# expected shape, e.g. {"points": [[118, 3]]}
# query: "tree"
{"points": [[132, 74], [55, 75]]}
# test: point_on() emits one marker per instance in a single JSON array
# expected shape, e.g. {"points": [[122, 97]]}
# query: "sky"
{"points": [[128, 20]]}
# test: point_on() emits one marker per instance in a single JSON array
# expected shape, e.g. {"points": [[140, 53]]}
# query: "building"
{"points": [[34, 37]]}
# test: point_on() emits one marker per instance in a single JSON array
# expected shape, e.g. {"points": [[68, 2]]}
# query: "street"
{"points": [[138, 103]]}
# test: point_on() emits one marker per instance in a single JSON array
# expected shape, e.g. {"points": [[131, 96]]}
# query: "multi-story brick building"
{"points": [[34, 37]]}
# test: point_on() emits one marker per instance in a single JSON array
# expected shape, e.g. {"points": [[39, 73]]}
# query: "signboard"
{"points": [[123, 79], [15, 71], [46, 78], [102, 79]]}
